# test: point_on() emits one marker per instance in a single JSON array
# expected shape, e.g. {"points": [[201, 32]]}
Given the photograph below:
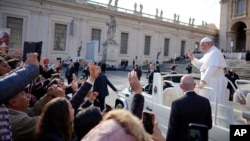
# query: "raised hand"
{"points": [[94, 73], [55, 91], [32, 59], [190, 55], [74, 77], [134, 82], [57, 64], [157, 135], [92, 96], [16, 53]]}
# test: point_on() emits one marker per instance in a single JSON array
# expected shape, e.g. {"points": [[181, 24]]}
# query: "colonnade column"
{"points": [[247, 39], [231, 41]]}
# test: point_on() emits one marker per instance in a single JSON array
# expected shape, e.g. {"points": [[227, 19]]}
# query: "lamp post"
{"points": [[232, 45]]}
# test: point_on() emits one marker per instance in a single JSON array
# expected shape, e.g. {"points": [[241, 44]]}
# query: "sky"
{"points": [[200, 10]]}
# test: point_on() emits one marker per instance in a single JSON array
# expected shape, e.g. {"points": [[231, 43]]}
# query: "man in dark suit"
{"points": [[150, 74], [175, 79], [232, 76], [138, 71], [103, 67], [101, 86], [76, 66], [70, 71], [190, 108], [150, 77]]}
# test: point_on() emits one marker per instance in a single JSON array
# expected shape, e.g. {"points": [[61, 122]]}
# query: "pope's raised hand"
{"points": [[190, 55]]}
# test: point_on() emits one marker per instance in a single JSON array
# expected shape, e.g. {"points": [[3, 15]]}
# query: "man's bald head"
{"points": [[187, 83]]}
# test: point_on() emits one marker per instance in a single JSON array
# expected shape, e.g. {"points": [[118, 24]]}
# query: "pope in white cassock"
{"points": [[211, 67]]}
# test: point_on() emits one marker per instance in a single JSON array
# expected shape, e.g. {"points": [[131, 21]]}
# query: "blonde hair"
{"points": [[129, 122]]}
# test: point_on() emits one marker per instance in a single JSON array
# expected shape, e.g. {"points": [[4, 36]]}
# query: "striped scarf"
{"points": [[5, 128]]}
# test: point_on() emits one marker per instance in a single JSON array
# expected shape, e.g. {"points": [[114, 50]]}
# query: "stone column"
{"points": [[248, 39], [231, 36]]}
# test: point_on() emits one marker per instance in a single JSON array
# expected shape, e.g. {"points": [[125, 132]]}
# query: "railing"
{"points": [[97, 4], [240, 92], [212, 93], [145, 15]]}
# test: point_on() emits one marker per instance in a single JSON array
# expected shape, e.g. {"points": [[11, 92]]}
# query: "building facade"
{"points": [[66, 26], [234, 31]]}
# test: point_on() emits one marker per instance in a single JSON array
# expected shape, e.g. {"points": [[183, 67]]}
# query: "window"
{"points": [[240, 7], [183, 43], [166, 47], [124, 43], [96, 35], [16, 31], [147, 45], [60, 36]]}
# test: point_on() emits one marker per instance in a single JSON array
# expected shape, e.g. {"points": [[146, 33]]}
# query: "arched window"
{"points": [[240, 7]]}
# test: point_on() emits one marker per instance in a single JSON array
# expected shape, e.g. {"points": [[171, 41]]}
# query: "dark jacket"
{"points": [[69, 72], [176, 79], [191, 108], [51, 136], [15, 82], [79, 96], [232, 77], [138, 72], [101, 85], [137, 105], [150, 76]]}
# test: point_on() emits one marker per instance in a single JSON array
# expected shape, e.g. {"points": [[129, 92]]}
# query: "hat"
{"points": [[206, 39]]}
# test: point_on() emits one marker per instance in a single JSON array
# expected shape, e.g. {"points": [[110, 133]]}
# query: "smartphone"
{"points": [[108, 108], [148, 119], [197, 132], [30, 47]]}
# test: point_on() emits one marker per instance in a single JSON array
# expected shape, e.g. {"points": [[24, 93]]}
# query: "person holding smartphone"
{"points": [[190, 108], [148, 118]]}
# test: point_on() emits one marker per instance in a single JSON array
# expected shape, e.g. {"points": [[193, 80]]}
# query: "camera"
{"points": [[197, 132], [148, 119]]}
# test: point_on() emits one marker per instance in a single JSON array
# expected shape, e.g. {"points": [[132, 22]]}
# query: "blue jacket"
{"points": [[14, 82]]}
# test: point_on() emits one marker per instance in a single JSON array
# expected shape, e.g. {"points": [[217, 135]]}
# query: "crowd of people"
{"points": [[54, 116], [35, 104]]}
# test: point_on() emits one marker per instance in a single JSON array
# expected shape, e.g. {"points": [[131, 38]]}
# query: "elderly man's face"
{"points": [[205, 46], [21, 101]]}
